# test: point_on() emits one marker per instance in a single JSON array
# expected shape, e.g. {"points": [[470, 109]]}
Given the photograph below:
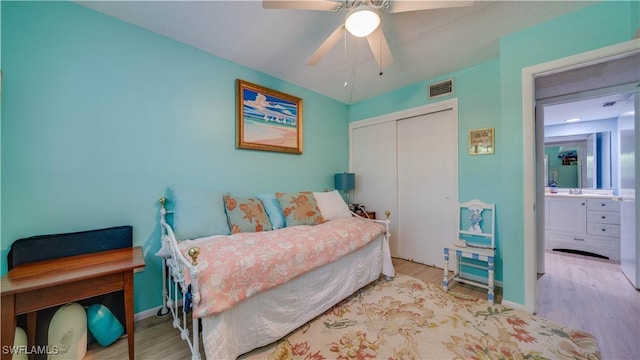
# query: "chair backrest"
{"points": [[476, 223]]}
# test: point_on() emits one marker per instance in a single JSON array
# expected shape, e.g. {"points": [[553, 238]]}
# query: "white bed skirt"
{"points": [[272, 314]]}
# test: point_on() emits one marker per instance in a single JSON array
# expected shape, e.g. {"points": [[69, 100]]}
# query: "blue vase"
{"points": [[103, 325]]}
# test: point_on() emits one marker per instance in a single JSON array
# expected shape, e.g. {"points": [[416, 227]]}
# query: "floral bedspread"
{"points": [[235, 267]]}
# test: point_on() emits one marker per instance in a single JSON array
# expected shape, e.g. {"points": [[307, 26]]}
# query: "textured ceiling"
{"points": [[584, 83], [424, 44], [590, 109]]}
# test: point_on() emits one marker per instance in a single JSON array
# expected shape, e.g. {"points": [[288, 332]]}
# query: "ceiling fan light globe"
{"points": [[362, 22]]}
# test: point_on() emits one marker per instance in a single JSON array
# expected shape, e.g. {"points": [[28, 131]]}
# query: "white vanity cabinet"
{"points": [[566, 214], [583, 223], [603, 218]]}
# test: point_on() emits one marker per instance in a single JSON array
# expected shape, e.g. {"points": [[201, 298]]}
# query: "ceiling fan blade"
{"points": [[320, 5], [404, 6], [380, 48], [327, 45]]}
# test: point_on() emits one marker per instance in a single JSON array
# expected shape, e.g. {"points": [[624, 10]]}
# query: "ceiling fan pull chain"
{"points": [[353, 73], [345, 44], [380, 52]]}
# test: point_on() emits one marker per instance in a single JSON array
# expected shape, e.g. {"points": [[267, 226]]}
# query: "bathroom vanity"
{"points": [[584, 222]]}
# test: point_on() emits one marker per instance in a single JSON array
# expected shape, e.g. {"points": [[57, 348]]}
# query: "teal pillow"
{"points": [[103, 325], [198, 213], [246, 214], [274, 211]]}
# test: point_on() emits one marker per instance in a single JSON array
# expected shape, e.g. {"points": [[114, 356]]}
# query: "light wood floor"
{"points": [[592, 295], [155, 338]]}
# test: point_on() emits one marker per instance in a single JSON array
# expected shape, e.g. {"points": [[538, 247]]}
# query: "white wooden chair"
{"points": [[474, 249]]}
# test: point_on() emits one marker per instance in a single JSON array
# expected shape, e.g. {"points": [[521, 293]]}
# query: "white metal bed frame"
{"points": [[175, 288]]}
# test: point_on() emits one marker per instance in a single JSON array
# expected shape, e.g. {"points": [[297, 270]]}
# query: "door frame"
{"points": [[403, 114], [529, 147]]}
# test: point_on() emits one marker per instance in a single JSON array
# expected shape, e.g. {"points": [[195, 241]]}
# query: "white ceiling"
{"points": [[590, 109], [424, 44], [590, 87]]}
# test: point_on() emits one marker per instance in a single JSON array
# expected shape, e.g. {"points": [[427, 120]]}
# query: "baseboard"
{"points": [[515, 306], [153, 312], [146, 314]]}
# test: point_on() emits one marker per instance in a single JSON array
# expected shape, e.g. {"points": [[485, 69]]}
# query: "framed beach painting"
{"points": [[481, 142], [267, 119]]}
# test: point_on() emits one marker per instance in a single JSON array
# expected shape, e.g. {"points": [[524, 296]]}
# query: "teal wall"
{"points": [[490, 95], [596, 26], [478, 92], [100, 117]]}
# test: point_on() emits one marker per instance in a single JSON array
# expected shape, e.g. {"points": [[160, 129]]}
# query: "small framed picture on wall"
{"points": [[481, 141]]}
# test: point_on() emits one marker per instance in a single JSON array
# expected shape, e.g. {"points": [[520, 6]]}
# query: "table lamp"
{"points": [[345, 183]]}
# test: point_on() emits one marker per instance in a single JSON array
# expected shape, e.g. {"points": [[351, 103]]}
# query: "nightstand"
{"points": [[369, 214]]}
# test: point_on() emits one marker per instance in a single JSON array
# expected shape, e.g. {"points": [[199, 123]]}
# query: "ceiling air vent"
{"points": [[441, 89], [609, 103]]}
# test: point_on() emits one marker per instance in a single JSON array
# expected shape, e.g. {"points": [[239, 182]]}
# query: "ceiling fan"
{"points": [[362, 20]]}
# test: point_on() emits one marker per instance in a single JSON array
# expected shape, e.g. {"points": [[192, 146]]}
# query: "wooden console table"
{"points": [[30, 287]]}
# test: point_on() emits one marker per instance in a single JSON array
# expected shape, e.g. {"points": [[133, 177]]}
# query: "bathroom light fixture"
{"points": [[572, 120], [362, 21]]}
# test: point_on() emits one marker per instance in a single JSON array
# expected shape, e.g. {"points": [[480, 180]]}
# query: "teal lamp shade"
{"points": [[345, 181]]}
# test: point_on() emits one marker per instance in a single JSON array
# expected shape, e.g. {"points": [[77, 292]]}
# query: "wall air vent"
{"points": [[441, 89], [609, 103]]}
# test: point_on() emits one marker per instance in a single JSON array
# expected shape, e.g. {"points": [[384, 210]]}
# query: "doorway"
{"points": [[579, 153], [531, 194], [584, 292], [581, 156]]}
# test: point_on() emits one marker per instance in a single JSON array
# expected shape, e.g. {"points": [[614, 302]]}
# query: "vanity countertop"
{"points": [[584, 195]]}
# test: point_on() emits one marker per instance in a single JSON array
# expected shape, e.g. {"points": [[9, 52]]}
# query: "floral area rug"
{"points": [[407, 318]]}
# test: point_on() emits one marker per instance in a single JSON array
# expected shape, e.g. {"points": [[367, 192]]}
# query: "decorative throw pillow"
{"points": [[332, 205], [300, 208], [274, 211], [198, 213], [246, 214]]}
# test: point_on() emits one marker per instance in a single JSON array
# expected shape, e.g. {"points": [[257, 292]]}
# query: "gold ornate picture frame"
{"points": [[482, 141], [267, 120]]}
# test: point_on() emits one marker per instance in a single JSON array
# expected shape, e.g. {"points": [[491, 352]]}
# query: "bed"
{"points": [[250, 289]]}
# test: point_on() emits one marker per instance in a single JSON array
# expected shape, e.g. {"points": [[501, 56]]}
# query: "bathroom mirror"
{"points": [[579, 161]]}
